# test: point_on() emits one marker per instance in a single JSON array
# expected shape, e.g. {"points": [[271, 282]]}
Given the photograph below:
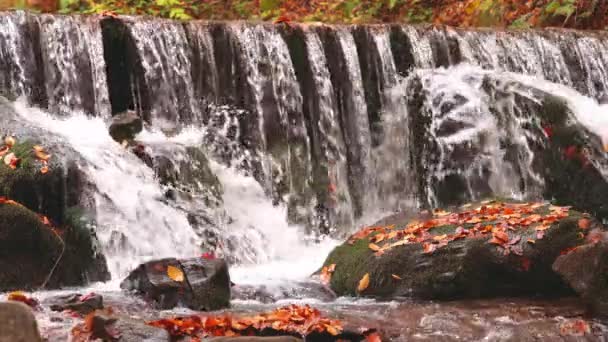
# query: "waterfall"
{"points": [[308, 128], [18, 65], [74, 67], [165, 57]]}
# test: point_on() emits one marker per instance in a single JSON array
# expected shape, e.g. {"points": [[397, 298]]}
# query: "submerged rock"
{"points": [[491, 249], [584, 269], [109, 327], [125, 126], [17, 323], [197, 283], [78, 303]]}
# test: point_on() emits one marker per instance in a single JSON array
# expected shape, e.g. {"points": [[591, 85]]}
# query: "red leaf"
{"points": [[526, 264], [208, 256]]}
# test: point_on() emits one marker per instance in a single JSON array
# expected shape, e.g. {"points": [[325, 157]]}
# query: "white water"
{"points": [[129, 203]]}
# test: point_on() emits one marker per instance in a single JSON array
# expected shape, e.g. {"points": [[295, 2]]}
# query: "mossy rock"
{"points": [[48, 193], [465, 268], [29, 249]]}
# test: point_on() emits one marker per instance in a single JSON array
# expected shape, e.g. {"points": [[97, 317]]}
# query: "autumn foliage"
{"points": [[584, 14], [501, 222], [290, 320]]}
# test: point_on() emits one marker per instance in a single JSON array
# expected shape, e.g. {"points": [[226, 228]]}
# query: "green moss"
{"points": [[464, 268]]}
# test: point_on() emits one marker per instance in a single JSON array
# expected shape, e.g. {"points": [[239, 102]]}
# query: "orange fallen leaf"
{"points": [[375, 337], [44, 169], [374, 247], [19, 296], [396, 277], [532, 241], [175, 273], [363, 283], [428, 248]]}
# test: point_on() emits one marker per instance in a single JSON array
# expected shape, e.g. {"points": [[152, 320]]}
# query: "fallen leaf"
{"points": [[208, 256], [526, 264], [9, 158], [44, 169], [374, 247], [363, 283], [375, 337], [175, 273], [428, 248], [4, 150], [532, 241], [19, 296], [540, 234], [396, 277], [584, 223], [9, 141]]}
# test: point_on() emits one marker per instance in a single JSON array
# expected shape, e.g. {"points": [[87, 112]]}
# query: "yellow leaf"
{"points": [[363, 283], [175, 273], [9, 141]]}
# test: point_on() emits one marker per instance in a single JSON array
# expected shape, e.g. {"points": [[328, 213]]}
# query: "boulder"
{"points": [[29, 250], [584, 269], [205, 285], [63, 194], [17, 323], [479, 250], [125, 126]]}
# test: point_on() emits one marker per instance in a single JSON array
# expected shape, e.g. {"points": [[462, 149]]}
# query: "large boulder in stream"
{"points": [[17, 323], [585, 268], [48, 211], [33, 253], [199, 283], [478, 250]]}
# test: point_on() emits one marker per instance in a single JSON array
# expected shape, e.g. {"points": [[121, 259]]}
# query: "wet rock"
{"points": [[107, 327], [125, 126], [206, 283], [585, 269], [78, 303], [17, 323], [29, 250], [465, 267]]}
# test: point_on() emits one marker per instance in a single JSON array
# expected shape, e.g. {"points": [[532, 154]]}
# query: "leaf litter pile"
{"points": [[508, 226], [503, 222], [290, 320]]}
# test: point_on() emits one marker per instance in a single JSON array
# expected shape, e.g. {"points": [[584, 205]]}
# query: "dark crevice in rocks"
{"points": [[126, 85], [371, 73], [402, 51]]}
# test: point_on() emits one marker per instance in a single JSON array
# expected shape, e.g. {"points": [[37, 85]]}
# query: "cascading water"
{"points": [[166, 58], [74, 68], [135, 222], [18, 66]]}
